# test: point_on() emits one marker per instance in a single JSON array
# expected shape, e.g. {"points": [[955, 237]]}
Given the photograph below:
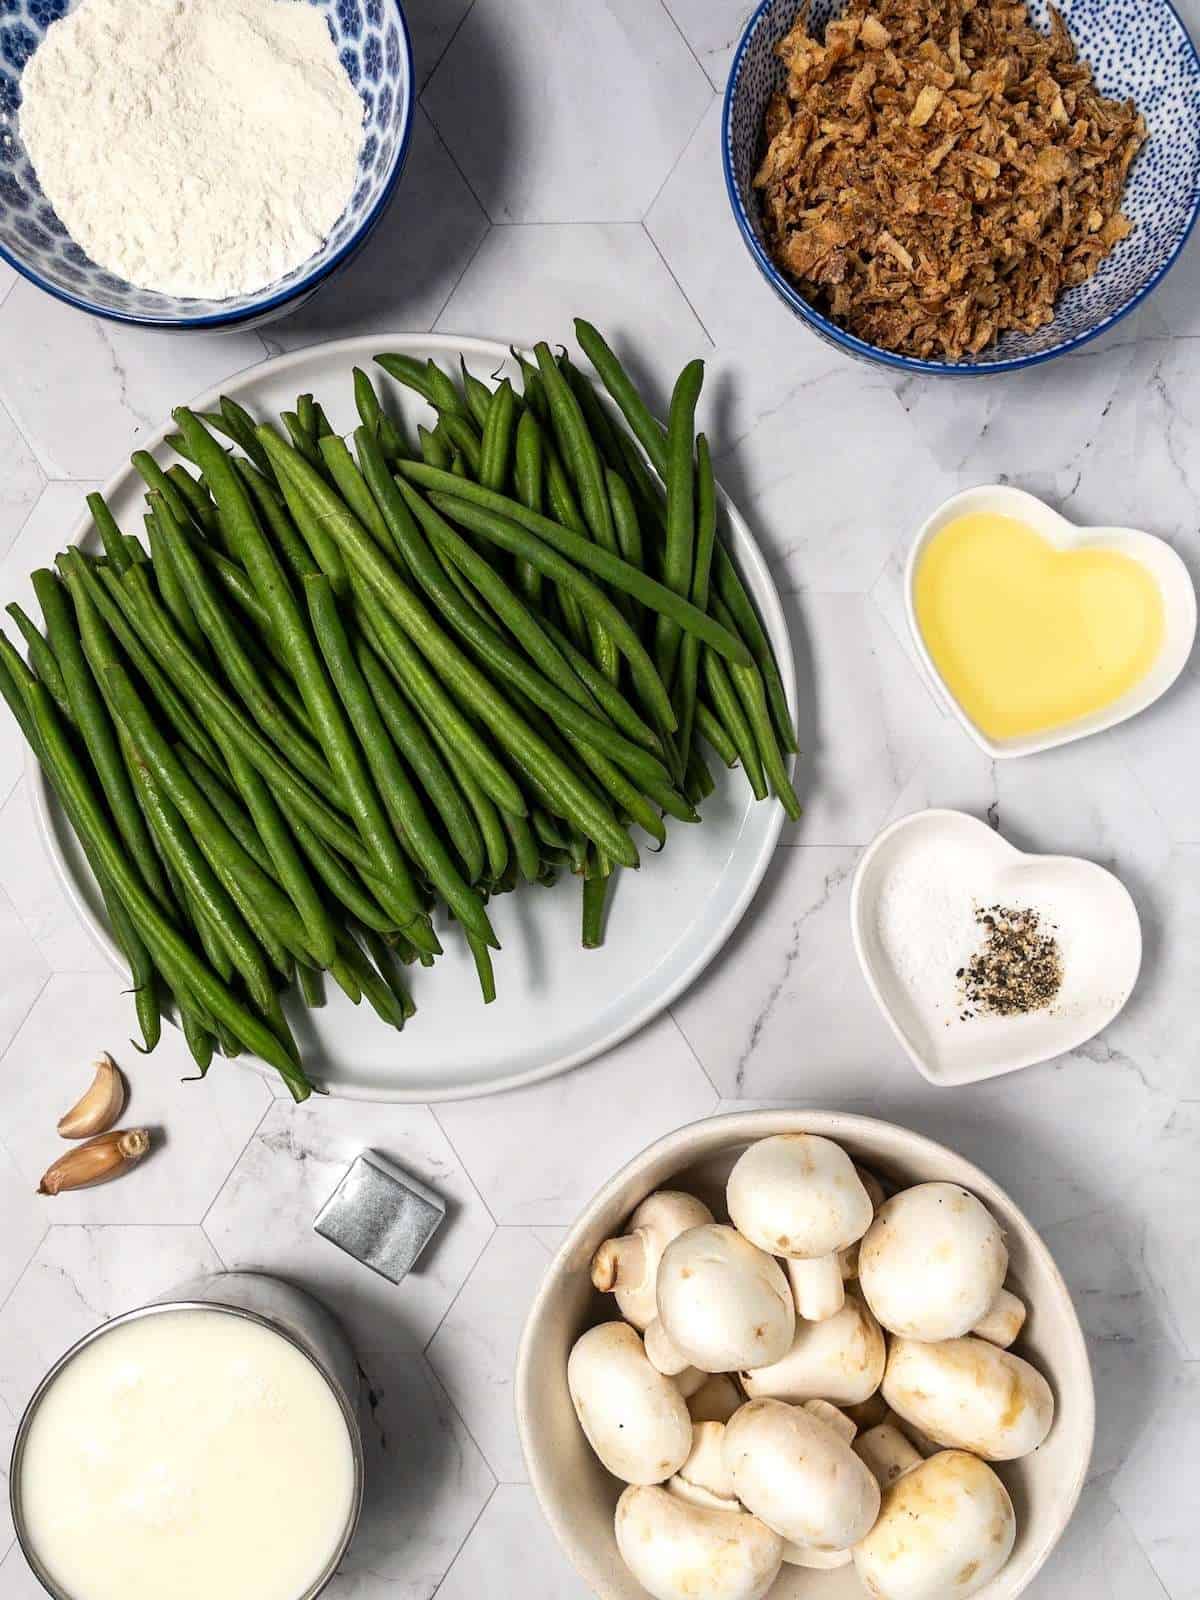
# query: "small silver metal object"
{"points": [[380, 1215]]}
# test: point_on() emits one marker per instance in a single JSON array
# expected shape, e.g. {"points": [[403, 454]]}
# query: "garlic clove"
{"points": [[97, 1110], [97, 1161]]}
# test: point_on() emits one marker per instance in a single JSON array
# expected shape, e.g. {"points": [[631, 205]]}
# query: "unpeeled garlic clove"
{"points": [[98, 1109], [97, 1161]]}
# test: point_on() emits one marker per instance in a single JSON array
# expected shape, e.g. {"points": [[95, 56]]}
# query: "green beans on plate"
{"points": [[350, 696]]}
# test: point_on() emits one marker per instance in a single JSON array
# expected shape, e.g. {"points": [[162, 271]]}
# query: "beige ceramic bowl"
{"points": [[578, 1496]]}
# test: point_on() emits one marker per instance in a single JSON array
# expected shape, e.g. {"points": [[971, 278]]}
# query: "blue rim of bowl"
{"points": [[248, 314], [889, 358]]}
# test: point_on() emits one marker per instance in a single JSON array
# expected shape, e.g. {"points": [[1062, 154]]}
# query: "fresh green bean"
{"points": [[582, 456], [426, 691], [370, 410], [483, 968], [417, 749], [434, 450], [525, 847], [607, 695], [324, 709], [495, 455], [412, 374], [236, 423], [689, 653], [338, 878], [559, 690], [729, 712], [110, 535], [259, 897], [350, 955], [528, 484], [166, 575], [460, 433], [748, 684], [444, 394], [352, 487], [743, 615], [681, 508], [479, 396], [203, 891], [157, 482], [615, 572], [471, 685], [278, 524], [217, 625], [203, 512], [710, 728], [699, 780], [41, 657], [381, 954], [184, 971], [648, 432], [303, 441], [625, 518], [85, 650], [312, 988], [392, 782], [595, 895], [105, 591]]}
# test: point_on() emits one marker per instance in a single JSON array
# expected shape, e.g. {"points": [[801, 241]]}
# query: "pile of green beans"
{"points": [[357, 687]]}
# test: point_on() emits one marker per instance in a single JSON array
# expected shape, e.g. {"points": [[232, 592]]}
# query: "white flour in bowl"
{"points": [[196, 147]]}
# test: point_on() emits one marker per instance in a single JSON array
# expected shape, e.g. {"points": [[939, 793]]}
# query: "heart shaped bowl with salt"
{"points": [[984, 958], [1056, 608]]}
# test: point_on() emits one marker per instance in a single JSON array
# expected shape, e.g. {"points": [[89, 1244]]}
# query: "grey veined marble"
{"points": [[565, 161]]}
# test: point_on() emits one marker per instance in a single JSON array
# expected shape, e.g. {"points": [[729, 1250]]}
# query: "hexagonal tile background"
{"points": [[565, 160]]}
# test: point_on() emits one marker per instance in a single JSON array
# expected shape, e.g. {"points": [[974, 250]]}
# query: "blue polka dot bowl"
{"points": [[374, 45], [1137, 48]]}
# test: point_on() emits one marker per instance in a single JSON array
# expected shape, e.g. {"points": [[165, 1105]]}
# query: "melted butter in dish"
{"points": [[1028, 637]]}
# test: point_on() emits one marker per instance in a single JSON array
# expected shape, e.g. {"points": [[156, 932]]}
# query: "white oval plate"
{"points": [[558, 1004], [1094, 917], [1168, 571]]}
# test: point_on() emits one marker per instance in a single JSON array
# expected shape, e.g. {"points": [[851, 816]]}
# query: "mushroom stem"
{"points": [[887, 1454], [704, 1479], [619, 1263], [1004, 1321], [817, 1287], [662, 1354], [803, 1555]]}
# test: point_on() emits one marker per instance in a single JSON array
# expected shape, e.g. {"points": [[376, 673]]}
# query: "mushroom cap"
{"points": [[841, 1359], [635, 1420], [678, 1551], [661, 1217], [933, 1262], [799, 1476], [966, 1394], [944, 1530], [723, 1303], [797, 1194]]}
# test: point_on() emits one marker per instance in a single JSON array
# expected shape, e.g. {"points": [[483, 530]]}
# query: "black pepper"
{"points": [[1018, 967]]}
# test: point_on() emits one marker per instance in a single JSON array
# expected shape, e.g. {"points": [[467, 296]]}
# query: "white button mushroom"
{"points": [[799, 1475], [717, 1398], [723, 1303], [680, 1551], [1004, 1321], [661, 1353], [967, 1394], [636, 1420], [848, 1258], [840, 1359], [798, 1195], [704, 1478], [628, 1267], [945, 1526], [802, 1555], [933, 1262]]}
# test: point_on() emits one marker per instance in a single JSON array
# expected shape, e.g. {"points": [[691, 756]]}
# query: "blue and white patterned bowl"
{"points": [[1136, 47], [374, 45]]}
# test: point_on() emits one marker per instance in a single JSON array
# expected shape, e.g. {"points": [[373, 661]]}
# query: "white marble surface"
{"points": [[565, 160]]}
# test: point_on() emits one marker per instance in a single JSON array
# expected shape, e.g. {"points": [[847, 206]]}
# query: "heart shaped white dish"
{"points": [[1159, 560], [919, 893]]}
